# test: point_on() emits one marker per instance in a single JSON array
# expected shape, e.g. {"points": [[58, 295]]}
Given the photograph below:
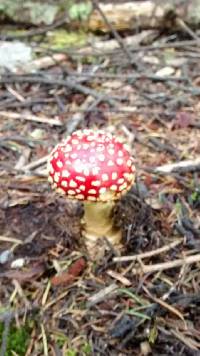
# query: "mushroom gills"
{"points": [[97, 223]]}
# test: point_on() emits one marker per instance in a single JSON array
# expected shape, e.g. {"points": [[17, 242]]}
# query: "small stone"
{"points": [[18, 263], [165, 72], [5, 256]]}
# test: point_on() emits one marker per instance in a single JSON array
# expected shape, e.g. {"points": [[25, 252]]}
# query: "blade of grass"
{"points": [[133, 296], [44, 339], [139, 315]]}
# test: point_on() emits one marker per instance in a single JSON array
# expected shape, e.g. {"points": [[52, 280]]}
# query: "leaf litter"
{"points": [[109, 306]]}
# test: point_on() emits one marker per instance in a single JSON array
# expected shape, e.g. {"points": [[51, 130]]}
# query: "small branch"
{"points": [[114, 32], [119, 278], [35, 32], [165, 305], [47, 61], [112, 44], [44, 340], [126, 77], [35, 164], [10, 239], [166, 265], [71, 84], [181, 167], [85, 51], [188, 341], [101, 295], [149, 253], [187, 29], [175, 44], [28, 117]]}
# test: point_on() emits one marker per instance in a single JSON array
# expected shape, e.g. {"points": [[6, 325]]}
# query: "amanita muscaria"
{"points": [[96, 168]]}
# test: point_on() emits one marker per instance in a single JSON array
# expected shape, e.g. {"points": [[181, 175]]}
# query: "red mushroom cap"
{"points": [[91, 165]]}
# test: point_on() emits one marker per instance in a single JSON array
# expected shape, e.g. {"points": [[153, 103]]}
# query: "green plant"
{"points": [[194, 198], [18, 339], [71, 352], [87, 349], [80, 11]]}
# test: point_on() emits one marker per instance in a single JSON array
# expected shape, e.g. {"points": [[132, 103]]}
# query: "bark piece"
{"points": [[145, 14]]}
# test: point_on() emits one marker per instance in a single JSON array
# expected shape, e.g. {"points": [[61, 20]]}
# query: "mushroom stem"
{"points": [[98, 223]]}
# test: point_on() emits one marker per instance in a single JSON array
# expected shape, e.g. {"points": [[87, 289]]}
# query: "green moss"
{"points": [[194, 197], [60, 39], [80, 11], [18, 339], [84, 349], [71, 352], [87, 349], [61, 339]]}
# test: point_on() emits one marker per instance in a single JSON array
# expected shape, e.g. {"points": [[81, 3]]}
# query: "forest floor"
{"points": [[150, 97]]}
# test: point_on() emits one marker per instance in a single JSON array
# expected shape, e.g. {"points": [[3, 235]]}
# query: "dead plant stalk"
{"points": [[149, 253], [166, 265]]}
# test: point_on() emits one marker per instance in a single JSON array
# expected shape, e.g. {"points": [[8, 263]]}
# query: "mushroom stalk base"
{"points": [[98, 223]]}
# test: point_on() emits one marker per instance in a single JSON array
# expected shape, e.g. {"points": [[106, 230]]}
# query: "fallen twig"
{"points": [[134, 48], [119, 277], [113, 44], [164, 304], [166, 265], [188, 341], [35, 32], [35, 164], [25, 104], [182, 24], [71, 84], [149, 253], [183, 166], [132, 76], [29, 274], [44, 340], [47, 61], [11, 239], [101, 295], [28, 117], [114, 32]]}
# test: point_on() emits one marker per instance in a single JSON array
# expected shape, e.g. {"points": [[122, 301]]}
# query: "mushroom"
{"points": [[96, 168]]}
